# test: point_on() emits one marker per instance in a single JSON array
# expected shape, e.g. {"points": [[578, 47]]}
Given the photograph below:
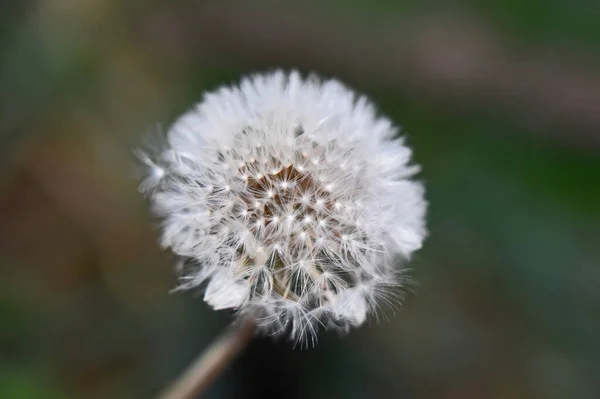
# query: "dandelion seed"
{"points": [[306, 227]]}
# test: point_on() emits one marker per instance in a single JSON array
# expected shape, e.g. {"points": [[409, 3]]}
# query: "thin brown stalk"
{"points": [[201, 374]]}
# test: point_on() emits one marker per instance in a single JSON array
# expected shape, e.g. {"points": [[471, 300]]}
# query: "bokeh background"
{"points": [[500, 101]]}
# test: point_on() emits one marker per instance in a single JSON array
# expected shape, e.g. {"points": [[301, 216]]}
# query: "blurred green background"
{"points": [[500, 101]]}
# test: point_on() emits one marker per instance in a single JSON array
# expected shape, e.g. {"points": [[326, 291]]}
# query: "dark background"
{"points": [[500, 101]]}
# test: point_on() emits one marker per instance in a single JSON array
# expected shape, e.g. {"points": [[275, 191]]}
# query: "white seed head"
{"points": [[289, 199]]}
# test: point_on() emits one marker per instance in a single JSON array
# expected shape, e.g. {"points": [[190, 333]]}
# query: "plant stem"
{"points": [[206, 368]]}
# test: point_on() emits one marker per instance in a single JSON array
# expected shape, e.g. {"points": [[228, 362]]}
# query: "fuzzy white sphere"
{"points": [[290, 199]]}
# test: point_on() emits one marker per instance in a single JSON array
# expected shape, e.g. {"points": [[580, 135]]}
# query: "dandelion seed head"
{"points": [[288, 198]]}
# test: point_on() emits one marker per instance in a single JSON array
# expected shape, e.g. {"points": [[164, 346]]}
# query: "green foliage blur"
{"points": [[500, 101]]}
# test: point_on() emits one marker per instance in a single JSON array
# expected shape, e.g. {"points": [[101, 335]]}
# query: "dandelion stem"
{"points": [[211, 363]]}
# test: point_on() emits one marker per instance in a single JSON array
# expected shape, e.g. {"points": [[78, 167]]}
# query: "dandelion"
{"points": [[289, 199]]}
